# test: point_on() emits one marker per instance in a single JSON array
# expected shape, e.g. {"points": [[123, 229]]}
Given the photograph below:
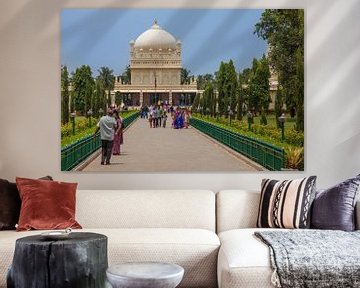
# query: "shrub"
{"points": [[294, 157]]}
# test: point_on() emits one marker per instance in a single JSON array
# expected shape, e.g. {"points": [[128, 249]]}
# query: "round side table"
{"points": [[78, 261], [145, 275]]}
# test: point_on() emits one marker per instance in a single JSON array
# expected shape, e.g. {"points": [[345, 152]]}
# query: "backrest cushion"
{"points": [[236, 209], [334, 208], [146, 209], [286, 204]]}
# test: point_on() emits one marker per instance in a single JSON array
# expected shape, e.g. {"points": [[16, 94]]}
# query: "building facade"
{"points": [[155, 67]]}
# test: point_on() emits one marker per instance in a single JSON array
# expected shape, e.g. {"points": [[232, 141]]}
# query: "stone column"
{"points": [[112, 97], [170, 97], [141, 98]]}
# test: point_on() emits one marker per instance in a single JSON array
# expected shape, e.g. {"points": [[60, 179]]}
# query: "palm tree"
{"points": [[108, 80], [185, 76]]}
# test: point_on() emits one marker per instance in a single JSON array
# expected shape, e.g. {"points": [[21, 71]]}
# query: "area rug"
{"points": [[313, 258]]}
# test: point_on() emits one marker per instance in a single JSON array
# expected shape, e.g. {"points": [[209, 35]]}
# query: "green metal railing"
{"points": [[267, 155], [73, 154]]}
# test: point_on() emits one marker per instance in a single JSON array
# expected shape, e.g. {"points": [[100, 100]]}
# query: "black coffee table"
{"points": [[78, 261]]}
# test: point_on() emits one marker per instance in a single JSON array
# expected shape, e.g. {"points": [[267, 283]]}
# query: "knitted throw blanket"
{"points": [[313, 258]]}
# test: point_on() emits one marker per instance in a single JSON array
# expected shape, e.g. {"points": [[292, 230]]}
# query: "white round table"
{"points": [[145, 275]]}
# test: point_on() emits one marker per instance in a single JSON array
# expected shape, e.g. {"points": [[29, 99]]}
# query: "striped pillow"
{"points": [[286, 204]]}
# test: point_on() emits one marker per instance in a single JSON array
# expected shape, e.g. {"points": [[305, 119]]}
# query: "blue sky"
{"points": [[100, 37]]}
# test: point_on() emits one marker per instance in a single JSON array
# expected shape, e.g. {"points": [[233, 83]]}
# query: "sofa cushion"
{"points": [[46, 204], [286, 204], [146, 209], [10, 204], [244, 261], [194, 249], [236, 209], [334, 208]]}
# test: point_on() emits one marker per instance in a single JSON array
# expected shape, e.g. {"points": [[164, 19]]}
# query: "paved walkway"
{"points": [[148, 149]]}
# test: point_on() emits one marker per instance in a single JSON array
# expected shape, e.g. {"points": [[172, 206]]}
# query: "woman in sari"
{"points": [[118, 137]]}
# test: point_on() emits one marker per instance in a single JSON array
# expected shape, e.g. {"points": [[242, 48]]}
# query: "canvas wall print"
{"points": [[182, 90]]}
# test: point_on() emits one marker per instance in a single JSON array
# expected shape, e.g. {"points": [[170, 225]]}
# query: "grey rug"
{"points": [[313, 258]]}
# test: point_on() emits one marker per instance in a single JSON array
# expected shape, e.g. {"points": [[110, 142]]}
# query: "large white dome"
{"points": [[155, 38]]}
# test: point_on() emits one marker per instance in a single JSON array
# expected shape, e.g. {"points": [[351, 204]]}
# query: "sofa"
{"points": [[210, 235]]}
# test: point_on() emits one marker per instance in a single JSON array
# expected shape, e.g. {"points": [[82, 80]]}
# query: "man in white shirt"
{"points": [[107, 127]]}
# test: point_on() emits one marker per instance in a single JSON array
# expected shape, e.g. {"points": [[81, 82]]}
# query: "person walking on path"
{"points": [[118, 137], [164, 119], [187, 118], [151, 117], [107, 126]]}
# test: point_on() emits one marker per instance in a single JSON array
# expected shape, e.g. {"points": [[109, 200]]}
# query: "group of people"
{"points": [[181, 118], [111, 126], [157, 116], [111, 134]]}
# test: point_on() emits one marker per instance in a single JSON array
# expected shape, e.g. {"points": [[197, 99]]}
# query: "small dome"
{"points": [[155, 38]]}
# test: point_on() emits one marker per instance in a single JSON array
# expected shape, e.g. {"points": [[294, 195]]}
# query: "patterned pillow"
{"points": [[286, 204]]}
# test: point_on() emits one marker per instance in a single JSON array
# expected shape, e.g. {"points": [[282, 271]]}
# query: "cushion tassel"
{"points": [[275, 280]]}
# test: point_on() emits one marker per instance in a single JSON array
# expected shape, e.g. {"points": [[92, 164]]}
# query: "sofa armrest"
{"points": [[357, 215]]}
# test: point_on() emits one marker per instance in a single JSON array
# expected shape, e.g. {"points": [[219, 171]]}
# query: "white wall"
{"points": [[30, 97]]}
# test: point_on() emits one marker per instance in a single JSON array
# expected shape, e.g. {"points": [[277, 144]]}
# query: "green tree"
{"points": [[185, 76], [203, 79], [126, 75], [254, 93], [196, 103], [209, 99], [107, 78], [284, 31], [263, 75], [279, 104], [221, 81], [99, 98], [227, 85], [232, 86], [65, 93], [259, 90], [299, 90], [83, 87], [244, 77]]}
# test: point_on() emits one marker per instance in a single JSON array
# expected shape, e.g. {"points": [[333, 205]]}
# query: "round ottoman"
{"points": [[145, 275]]}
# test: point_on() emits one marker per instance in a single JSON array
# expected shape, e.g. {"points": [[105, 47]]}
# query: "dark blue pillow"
{"points": [[334, 208]]}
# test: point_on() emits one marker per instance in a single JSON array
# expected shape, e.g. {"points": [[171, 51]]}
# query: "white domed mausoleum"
{"points": [[155, 66]]}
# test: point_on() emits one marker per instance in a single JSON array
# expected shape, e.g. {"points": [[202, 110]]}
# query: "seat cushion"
{"points": [[196, 250], [244, 261]]}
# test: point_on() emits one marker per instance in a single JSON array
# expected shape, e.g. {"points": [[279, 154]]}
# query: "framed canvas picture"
{"points": [[182, 90]]}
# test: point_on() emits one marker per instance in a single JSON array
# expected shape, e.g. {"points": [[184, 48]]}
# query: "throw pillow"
{"points": [[334, 208], [286, 204], [10, 204], [46, 204]]}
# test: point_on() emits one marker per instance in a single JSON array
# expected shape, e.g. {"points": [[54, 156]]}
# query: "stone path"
{"points": [[148, 149]]}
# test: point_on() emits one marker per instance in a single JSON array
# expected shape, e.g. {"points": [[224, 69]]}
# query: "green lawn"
{"points": [[289, 123], [294, 140]]}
